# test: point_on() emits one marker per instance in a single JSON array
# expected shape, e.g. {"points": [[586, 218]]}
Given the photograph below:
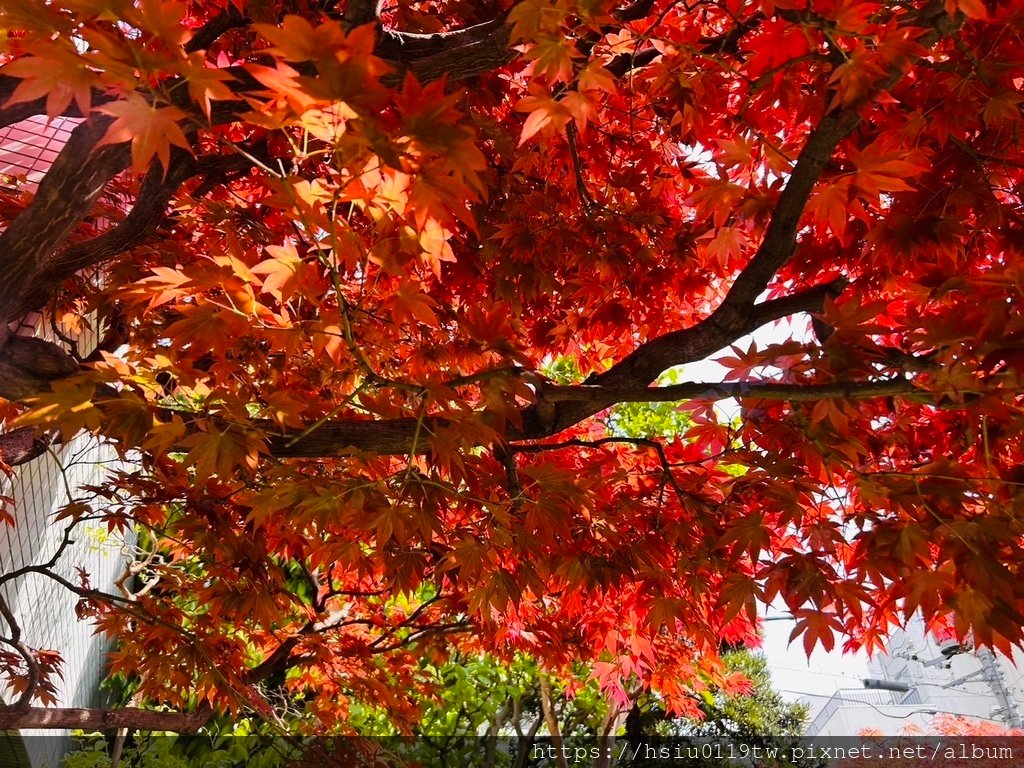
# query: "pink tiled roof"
{"points": [[29, 148]]}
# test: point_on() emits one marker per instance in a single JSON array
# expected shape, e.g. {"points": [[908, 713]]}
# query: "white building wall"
{"points": [[942, 678], [857, 719], [45, 609], [970, 682], [852, 712]]}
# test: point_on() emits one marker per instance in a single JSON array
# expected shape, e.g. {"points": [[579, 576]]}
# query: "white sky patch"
{"points": [[824, 673]]}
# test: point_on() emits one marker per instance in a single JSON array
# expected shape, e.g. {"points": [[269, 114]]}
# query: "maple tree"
{"points": [[340, 250], [491, 714]]}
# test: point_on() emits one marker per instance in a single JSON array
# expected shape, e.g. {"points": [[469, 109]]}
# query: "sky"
{"points": [[794, 674]]}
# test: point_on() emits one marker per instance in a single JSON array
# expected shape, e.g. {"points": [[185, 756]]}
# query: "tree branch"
{"points": [[20, 446], [23, 704], [65, 196], [737, 315], [359, 12], [71, 718], [723, 390], [650, 360], [141, 222], [71, 186], [558, 408], [634, 11], [395, 437], [459, 54], [205, 36], [28, 365], [779, 241]]}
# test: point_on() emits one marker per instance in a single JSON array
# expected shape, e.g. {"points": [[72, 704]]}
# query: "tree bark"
{"points": [[64, 198], [29, 365], [547, 705], [397, 437], [37, 718]]}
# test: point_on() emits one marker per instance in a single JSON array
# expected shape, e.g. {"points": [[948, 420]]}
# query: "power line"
{"points": [[869, 704], [833, 697], [840, 675]]}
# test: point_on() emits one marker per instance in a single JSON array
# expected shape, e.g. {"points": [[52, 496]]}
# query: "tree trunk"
{"points": [[547, 705]]}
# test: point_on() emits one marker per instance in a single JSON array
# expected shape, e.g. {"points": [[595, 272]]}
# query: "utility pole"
{"points": [[993, 675]]}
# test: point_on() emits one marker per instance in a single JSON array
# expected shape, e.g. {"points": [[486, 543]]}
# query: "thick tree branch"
{"points": [[779, 241], [458, 54], [722, 390], [634, 11], [23, 704], [358, 12], [141, 222], [205, 36], [557, 409], [68, 718], [395, 436], [71, 186], [65, 196], [15, 113], [650, 360], [20, 446], [737, 314], [28, 365]]}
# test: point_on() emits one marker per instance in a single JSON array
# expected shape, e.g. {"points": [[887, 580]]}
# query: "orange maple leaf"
{"points": [[151, 130], [55, 72]]}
